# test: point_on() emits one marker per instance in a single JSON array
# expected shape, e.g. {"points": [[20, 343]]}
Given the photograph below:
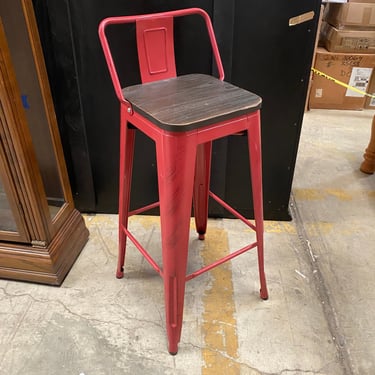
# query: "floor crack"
{"points": [[322, 291]]}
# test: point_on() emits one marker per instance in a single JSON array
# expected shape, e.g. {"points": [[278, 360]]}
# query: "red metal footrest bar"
{"points": [[144, 209], [232, 210], [221, 261], [143, 251], [203, 269]]}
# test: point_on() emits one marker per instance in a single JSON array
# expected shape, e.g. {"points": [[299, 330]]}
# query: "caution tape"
{"points": [[321, 74]]}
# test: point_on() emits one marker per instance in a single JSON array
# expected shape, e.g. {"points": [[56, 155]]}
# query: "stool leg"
{"points": [[254, 141], [127, 137], [368, 165], [176, 164], [201, 187]]}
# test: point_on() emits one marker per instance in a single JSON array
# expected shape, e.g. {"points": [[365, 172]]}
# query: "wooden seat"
{"points": [[191, 101], [182, 115]]}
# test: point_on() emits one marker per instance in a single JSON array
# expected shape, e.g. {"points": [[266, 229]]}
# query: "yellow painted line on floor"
{"points": [[319, 228], [219, 328], [320, 194], [278, 227], [314, 228], [340, 194], [308, 194]]}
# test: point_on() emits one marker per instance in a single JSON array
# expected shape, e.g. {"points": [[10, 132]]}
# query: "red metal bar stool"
{"points": [[182, 115]]}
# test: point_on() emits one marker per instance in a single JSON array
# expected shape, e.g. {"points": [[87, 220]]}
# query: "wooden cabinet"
{"points": [[41, 233]]}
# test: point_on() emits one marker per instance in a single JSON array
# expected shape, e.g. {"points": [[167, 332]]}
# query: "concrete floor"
{"points": [[319, 318]]}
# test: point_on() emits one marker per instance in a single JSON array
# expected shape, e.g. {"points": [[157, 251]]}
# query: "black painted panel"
{"points": [[272, 59]]}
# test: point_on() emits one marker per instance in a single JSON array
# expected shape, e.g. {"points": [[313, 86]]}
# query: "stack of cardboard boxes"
{"points": [[346, 53]]}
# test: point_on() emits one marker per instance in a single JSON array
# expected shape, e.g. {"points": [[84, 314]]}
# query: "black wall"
{"points": [[260, 52]]}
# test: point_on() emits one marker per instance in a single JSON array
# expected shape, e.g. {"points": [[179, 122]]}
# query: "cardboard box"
{"points": [[360, 15], [347, 40], [351, 69]]}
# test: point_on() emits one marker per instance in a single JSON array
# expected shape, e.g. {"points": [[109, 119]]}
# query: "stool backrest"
{"points": [[155, 44]]}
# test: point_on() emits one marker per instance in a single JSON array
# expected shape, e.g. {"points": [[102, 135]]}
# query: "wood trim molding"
{"points": [[46, 94]]}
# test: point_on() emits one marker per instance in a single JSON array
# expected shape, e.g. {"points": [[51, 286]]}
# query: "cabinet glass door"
{"points": [[12, 224], [22, 53], [7, 222]]}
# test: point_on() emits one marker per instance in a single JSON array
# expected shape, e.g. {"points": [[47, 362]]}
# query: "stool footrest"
{"points": [[231, 210], [158, 269], [143, 251], [194, 274], [221, 261], [144, 209]]}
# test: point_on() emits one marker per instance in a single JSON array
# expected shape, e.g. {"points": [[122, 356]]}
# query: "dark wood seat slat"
{"points": [[190, 101]]}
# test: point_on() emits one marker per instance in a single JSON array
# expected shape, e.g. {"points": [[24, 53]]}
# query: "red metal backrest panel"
{"points": [[156, 49]]}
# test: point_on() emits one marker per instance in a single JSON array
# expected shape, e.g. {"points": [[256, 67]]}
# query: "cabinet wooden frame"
{"points": [[19, 151], [49, 108], [44, 248]]}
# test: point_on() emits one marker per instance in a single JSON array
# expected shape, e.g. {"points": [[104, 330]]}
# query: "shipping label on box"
{"points": [[359, 79]]}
